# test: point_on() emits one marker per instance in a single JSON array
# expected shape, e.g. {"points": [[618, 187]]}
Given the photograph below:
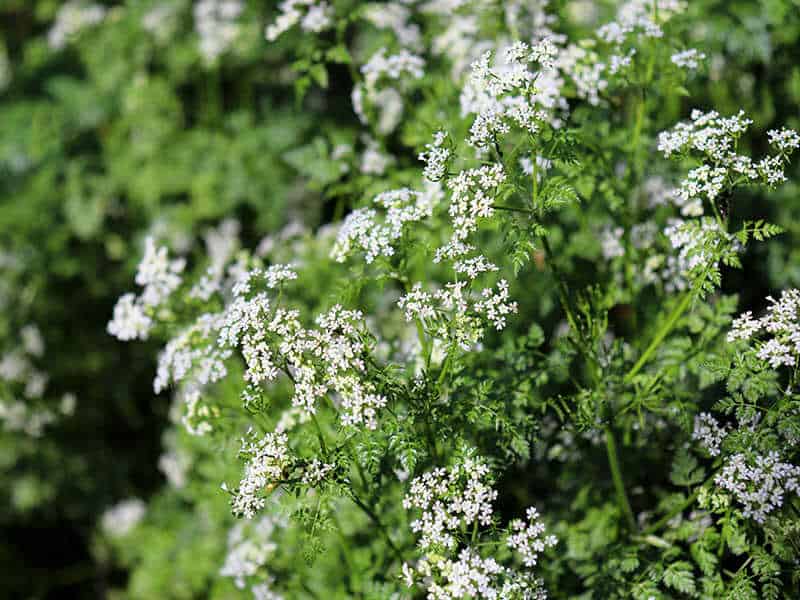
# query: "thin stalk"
{"points": [[563, 293], [676, 511], [668, 325], [379, 524], [616, 475]]}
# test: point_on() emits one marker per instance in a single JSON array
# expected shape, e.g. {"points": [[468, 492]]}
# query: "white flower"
{"points": [[436, 157], [688, 59], [267, 461], [395, 66], [781, 322], [785, 139], [611, 242], [250, 545], [316, 472], [120, 519], [363, 230], [708, 432], [277, 274], [472, 196], [32, 340], [312, 15], [72, 17], [528, 538], [759, 483], [157, 274], [448, 499], [129, 321], [216, 25]]}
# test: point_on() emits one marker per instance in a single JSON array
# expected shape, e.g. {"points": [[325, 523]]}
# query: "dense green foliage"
{"points": [[606, 383]]}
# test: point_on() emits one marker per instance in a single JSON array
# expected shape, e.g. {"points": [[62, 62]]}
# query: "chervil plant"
{"points": [[494, 299]]}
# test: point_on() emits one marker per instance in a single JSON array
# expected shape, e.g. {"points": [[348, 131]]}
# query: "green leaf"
{"points": [[679, 577]]}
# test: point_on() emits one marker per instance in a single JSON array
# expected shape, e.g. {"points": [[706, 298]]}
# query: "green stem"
{"points": [[374, 518], [616, 475], [668, 325], [563, 292], [676, 511]]}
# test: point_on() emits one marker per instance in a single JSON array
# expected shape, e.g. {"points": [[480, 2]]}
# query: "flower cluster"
{"points": [[449, 499], [216, 24], [528, 538], [159, 276], [250, 545], [715, 139], [472, 197], [72, 17], [708, 432], [23, 385], [456, 502], [688, 59], [120, 519], [759, 483], [363, 230], [781, 322], [267, 462], [635, 18], [471, 576], [507, 95], [436, 157], [313, 17]]}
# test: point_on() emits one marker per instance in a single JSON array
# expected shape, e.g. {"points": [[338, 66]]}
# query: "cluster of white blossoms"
{"points": [[326, 359], [471, 576], [782, 324], [267, 462], [374, 161], [216, 25], [192, 357], [636, 17], [453, 313], [120, 519], [394, 66], [700, 245], [450, 498], [160, 20], [316, 472], [759, 483], [454, 503], [715, 139], [611, 239], [507, 94], [159, 276], [472, 197], [396, 17], [71, 18], [436, 157], [785, 140], [250, 545], [386, 77], [708, 432], [363, 230], [528, 539], [24, 385], [688, 59], [313, 16]]}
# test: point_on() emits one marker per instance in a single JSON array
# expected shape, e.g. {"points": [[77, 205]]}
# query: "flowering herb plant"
{"points": [[503, 360]]}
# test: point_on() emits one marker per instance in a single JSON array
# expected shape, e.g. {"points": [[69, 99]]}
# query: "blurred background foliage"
{"points": [[127, 131]]}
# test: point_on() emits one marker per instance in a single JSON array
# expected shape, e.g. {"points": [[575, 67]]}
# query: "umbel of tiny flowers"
{"points": [[455, 504], [759, 482], [159, 277], [776, 335]]}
